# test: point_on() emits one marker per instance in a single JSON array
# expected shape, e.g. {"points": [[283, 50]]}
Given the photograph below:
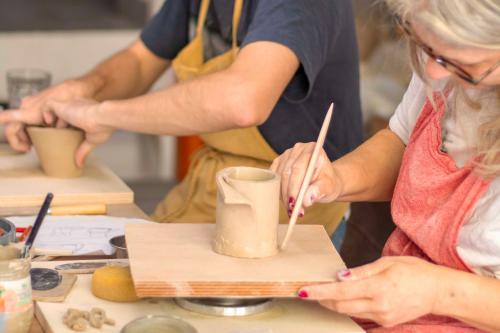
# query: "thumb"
{"points": [[318, 190], [51, 112], [82, 152], [57, 107]]}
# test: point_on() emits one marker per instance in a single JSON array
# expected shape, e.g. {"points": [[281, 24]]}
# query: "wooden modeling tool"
{"points": [[38, 222], [90, 209], [95, 209], [308, 175]]}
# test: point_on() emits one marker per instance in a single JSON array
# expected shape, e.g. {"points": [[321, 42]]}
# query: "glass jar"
{"points": [[23, 82], [16, 303]]}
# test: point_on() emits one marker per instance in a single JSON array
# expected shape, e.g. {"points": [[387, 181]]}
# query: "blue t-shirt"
{"points": [[322, 35]]}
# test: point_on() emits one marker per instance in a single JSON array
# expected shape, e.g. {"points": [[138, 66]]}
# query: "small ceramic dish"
{"points": [[158, 324]]}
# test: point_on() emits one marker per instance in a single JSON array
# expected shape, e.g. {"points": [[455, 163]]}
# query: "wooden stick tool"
{"points": [[308, 175]]}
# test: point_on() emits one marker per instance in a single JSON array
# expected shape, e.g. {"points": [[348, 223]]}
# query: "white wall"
{"points": [[70, 54]]}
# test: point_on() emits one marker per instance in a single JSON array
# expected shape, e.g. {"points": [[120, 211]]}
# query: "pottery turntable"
{"points": [[226, 307]]}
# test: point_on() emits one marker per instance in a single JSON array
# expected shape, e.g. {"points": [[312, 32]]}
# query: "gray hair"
{"points": [[462, 23]]}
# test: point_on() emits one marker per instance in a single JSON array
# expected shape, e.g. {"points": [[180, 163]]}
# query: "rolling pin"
{"points": [[90, 209], [95, 209]]}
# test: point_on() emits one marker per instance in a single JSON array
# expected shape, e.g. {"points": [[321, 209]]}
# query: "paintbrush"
{"points": [[308, 175], [36, 226]]}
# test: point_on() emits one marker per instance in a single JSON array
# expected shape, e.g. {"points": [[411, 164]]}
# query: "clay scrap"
{"points": [[79, 320]]}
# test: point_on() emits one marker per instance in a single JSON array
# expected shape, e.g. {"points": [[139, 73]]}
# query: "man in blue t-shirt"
{"points": [[295, 58]]}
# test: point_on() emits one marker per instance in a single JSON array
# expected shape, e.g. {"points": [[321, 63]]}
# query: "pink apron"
{"points": [[431, 201]]}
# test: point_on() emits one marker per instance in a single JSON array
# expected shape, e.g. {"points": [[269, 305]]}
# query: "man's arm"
{"points": [[241, 96], [128, 73]]}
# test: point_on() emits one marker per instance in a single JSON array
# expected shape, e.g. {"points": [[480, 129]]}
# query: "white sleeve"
{"points": [[404, 119], [479, 238]]}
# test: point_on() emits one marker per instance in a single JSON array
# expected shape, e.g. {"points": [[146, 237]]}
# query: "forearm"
{"points": [[126, 74], [197, 106], [239, 96], [369, 173], [470, 298]]}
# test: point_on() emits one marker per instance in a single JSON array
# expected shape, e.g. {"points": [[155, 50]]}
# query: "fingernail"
{"points": [[291, 200], [344, 273], [289, 212], [303, 294], [301, 214]]}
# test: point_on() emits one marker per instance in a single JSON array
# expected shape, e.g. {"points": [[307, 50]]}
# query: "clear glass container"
{"points": [[158, 324], [16, 303], [23, 82]]}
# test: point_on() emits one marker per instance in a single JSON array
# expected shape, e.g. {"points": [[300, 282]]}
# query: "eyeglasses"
{"points": [[445, 63]]}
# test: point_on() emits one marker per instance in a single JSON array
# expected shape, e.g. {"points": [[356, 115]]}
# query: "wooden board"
{"points": [[23, 184], [285, 316], [177, 260]]}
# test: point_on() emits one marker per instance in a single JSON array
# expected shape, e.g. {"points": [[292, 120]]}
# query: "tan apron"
{"points": [[193, 200]]}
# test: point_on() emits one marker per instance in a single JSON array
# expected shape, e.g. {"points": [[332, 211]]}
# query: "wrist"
{"points": [[102, 113], [339, 183], [449, 284]]}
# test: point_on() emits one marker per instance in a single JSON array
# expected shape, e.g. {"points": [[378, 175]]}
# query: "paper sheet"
{"points": [[77, 235]]}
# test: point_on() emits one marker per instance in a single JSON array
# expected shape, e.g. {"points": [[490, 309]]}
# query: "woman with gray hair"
{"points": [[439, 163]]}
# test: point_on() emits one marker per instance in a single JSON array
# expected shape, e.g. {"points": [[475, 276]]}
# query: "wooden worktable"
{"points": [[128, 210]]}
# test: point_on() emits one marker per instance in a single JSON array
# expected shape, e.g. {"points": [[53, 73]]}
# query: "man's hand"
{"points": [[82, 114], [31, 110]]}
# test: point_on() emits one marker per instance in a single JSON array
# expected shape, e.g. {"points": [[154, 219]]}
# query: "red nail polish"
{"points": [[301, 214], [291, 201], [345, 273], [303, 294], [289, 212]]}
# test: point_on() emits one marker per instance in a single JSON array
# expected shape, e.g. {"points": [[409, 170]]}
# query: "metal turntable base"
{"points": [[227, 307]]}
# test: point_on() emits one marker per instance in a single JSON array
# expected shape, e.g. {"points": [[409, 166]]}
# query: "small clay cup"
{"points": [[56, 149]]}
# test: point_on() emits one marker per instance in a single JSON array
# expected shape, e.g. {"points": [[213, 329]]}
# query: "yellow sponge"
{"points": [[114, 283]]}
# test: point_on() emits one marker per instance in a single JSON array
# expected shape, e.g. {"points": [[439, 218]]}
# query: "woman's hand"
{"points": [[83, 114], [291, 166], [389, 291], [31, 109]]}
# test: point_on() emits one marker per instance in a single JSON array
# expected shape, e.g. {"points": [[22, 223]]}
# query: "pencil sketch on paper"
{"points": [[78, 234]]}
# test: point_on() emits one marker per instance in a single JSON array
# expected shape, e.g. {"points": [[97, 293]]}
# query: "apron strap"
{"points": [[202, 16], [237, 11], [238, 8]]}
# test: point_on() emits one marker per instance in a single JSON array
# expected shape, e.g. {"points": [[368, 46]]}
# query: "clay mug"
{"points": [[247, 212], [56, 149]]}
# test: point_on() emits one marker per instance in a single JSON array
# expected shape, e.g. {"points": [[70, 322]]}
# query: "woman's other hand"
{"points": [[389, 291]]}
